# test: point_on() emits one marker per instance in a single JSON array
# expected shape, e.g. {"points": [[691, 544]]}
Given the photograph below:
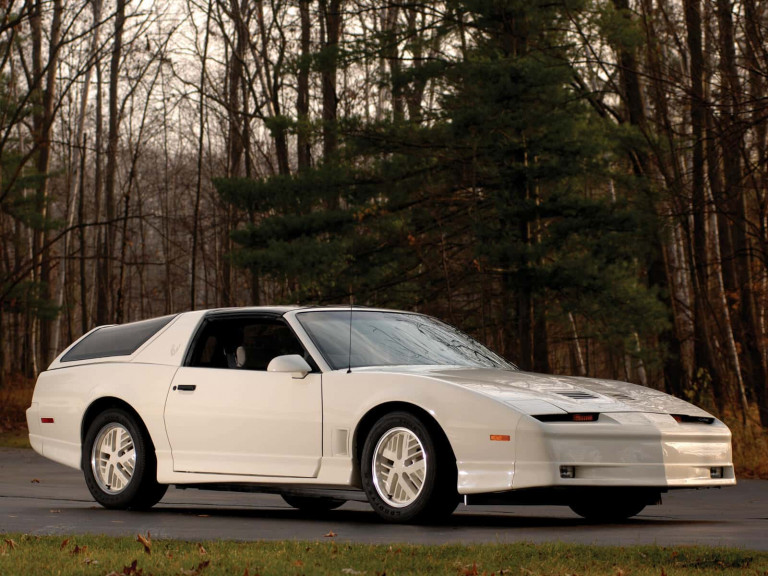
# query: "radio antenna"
{"points": [[349, 363]]}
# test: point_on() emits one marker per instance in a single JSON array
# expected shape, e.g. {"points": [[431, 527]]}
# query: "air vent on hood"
{"points": [[619, 396], [577, 394]]}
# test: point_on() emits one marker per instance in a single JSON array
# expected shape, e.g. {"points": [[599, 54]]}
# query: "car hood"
{"points": [[533, 392]]}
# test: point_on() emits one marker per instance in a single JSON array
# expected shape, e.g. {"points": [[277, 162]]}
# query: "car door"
{"points": [[225, 414]]}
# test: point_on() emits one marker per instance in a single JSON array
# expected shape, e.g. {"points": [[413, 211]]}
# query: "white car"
{"points": [[325, 405]]}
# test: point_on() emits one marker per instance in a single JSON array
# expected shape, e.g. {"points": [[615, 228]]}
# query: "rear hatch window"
{"points": [[121, 340]]}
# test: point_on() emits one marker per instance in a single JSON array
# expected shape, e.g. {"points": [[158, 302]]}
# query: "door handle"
{"points": [[186, 387]]}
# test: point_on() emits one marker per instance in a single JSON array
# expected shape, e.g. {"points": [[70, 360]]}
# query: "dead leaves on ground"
{"points": [[146, 541], [196, 571], [130, 570], [9, 544]]}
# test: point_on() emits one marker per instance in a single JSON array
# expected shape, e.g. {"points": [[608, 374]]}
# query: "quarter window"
{"points": [[121, 340]]}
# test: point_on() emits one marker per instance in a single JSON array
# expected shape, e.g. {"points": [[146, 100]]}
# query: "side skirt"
{"points": [[312, 492]]}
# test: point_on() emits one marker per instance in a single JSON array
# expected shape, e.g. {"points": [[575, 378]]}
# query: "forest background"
{"points": [[580, 184]]}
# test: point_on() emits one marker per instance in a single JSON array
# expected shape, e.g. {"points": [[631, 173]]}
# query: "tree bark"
{"points": [[113, 138], [303, 152], [733, 141], [331, 13]]}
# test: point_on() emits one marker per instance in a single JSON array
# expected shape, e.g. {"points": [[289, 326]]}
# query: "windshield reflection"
{"points": [[393, 339]]}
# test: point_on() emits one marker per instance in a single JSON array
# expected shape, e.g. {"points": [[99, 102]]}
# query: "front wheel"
{"points": [[408, 471], [119, 463]]}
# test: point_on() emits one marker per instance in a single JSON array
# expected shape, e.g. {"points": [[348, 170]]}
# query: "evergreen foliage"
{"points": [[515, 175]]}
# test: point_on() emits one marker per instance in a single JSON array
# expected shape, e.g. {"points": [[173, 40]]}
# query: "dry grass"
{"points": [[143, 556]]}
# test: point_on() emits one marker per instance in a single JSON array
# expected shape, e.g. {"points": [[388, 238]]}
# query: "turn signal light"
{"points": [[46, 420], [500, 437]]}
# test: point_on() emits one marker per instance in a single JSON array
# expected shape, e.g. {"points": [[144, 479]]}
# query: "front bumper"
{"points": [[619, 450], [623, 449]]}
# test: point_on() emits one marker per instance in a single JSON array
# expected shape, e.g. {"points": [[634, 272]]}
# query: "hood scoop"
{"points": [[619, 396], [576, 394]]}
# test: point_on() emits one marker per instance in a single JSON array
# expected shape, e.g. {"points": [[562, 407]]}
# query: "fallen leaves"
{"points": [[331, 534], [197, 570], [201, 549], [34, 481], [146, 541], [79, 550], [351, 571], [131, 570], [11, 544]]}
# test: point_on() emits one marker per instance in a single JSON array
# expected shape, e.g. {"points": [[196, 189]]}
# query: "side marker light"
{"points": [[46, 420], [500, 437]]}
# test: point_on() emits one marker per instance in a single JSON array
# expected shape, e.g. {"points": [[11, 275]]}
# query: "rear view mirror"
{"points": [[292, 363]]}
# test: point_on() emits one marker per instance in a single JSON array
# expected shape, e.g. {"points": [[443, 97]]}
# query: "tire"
{"points": [[426, 492], [119, 463], [613, 508], [313, 504]]}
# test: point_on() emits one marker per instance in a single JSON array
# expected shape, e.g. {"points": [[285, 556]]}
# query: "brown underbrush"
{"points": [[750, 446]]}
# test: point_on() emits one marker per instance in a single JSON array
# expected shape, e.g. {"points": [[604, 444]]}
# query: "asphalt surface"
{"points": [[40, 497]]}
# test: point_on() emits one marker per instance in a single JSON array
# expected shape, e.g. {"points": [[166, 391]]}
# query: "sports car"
{"points": [[325, 405]]}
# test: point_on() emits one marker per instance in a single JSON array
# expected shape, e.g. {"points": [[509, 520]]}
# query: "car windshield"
{"points": [[393, 339]]}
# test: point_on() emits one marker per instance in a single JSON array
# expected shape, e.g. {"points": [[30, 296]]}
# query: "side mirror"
{"points": [[292, 363]]}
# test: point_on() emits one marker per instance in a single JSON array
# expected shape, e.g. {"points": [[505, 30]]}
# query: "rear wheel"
{"points": [[311, 504], [610, 508], [408, 471], [119, 463]]}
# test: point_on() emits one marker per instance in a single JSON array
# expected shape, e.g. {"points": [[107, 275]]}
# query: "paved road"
{"points": [[40, 497]]}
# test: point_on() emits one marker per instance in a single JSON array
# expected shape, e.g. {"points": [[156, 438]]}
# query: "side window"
{"points": [[243, 343]]}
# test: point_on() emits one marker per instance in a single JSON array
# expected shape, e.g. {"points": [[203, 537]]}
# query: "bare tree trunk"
{"points": [[113, 138], [199, 182], [733, 142], [303, 152], [44, 78], [83, 243], [77, 178], [330, 11], [578, 357]]}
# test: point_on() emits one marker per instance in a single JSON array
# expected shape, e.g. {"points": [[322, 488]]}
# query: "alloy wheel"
{"points": [[113, 458], [399, 467]]}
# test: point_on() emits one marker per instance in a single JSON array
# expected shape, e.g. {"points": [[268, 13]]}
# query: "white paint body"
{"points": [[278, 428]]}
